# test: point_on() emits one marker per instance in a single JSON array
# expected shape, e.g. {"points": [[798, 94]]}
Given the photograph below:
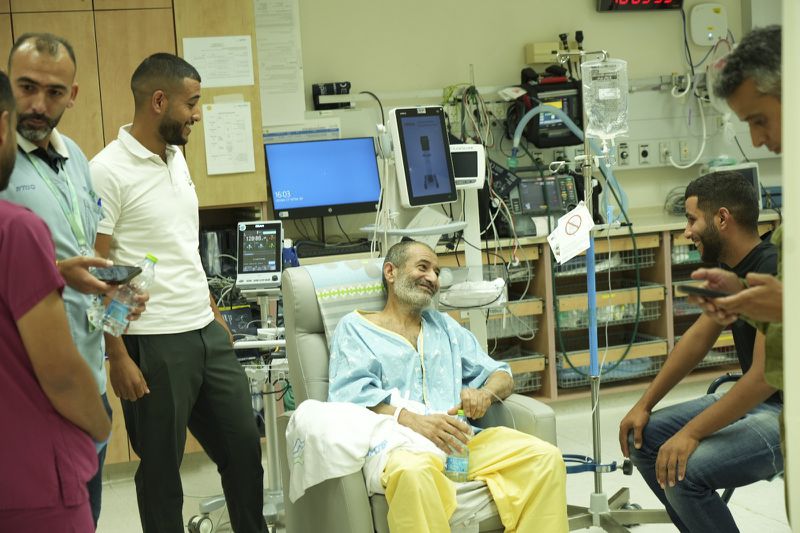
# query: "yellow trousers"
{"points": [[525, 475]]}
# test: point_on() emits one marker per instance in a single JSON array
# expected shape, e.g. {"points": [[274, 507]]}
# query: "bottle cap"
{"points": [[152, 258]]}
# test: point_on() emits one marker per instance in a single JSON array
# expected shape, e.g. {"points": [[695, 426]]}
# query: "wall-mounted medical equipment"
{"points": [[323, 178], [544, 196], [549, 130], [708, 23], [422, 156], [610, 6], [469, 165]]}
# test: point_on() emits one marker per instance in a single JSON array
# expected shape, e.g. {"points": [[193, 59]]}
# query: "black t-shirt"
{"points": [[764, 259]]}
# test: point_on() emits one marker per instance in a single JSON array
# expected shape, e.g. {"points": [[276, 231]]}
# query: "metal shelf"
{"points": [[622, 292], [499, 326], [618, 261], [526, 368], [645, 347], [612, 315]]}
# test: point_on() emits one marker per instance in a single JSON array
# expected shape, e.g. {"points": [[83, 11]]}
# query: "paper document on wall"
{"points": [[221, 61], [228, 131], [280, 61], [571, 236]]}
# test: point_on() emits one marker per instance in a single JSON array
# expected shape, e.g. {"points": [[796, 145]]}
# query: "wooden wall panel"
{"points": [[82, 122], [206, 18], [100, 5], [39, 6], [6, 41], [124, 39], [5, 6]]}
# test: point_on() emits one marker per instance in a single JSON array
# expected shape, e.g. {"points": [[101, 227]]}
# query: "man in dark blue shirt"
{"points": [[687, 451]]}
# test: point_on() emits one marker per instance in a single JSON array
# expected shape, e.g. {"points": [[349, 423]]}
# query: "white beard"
{"points": [[410, 294]]}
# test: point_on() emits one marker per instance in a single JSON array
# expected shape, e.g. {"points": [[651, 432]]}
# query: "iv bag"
{"points": [[605, 98]]}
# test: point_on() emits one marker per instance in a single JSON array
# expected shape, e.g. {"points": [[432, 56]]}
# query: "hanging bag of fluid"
{"points": [[605, 98]]}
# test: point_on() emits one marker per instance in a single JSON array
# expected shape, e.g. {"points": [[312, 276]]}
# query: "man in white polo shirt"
{"points": [[175, 367]]}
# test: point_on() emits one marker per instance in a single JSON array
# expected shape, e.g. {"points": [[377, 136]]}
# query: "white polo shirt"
{"points": [[151, 207]]}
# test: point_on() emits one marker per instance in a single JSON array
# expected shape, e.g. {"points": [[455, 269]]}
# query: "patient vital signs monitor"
{"points": [[422, 156], [323, 178], [258, 252]]}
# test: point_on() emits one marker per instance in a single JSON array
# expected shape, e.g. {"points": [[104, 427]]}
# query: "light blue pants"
{"points": [[744, 452]]}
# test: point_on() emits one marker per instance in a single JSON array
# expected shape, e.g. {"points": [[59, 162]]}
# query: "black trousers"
{"points": [[195, 381]]}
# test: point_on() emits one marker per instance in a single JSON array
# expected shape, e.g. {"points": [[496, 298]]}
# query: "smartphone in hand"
{"points": [[115, 275], [701, 291]]}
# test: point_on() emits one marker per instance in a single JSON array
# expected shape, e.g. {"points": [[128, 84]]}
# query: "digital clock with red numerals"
{"points": [[604, 6]]}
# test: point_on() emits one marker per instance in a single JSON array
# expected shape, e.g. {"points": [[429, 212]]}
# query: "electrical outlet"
{"points": [[624, 154], [683, 150], [559, 155], [663, 152], [644, 154]]}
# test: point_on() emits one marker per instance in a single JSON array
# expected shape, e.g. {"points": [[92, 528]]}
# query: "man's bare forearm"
{"points": [[115, 348], [500, 385]]}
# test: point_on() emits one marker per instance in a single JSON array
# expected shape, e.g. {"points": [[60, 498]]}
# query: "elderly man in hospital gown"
{"points": [[420, 366]]}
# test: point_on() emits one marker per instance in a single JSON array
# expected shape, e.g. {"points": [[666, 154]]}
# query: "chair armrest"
{"points": [[523, 414], [727, 378], [341, 504]]}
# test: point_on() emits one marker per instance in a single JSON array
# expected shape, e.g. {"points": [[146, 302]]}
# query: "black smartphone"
{"points": [[701, 291], [115, 275]]}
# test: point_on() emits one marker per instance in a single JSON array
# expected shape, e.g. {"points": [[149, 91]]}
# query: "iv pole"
{"points": [[611, 514]]}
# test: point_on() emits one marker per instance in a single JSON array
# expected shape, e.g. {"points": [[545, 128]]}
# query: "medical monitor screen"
{"points": [[465, 164], [259, 248], [550, 130], [531, 197], [323, 178], [425, 153]]}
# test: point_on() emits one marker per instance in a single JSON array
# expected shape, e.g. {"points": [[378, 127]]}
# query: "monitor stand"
{"points": [[255, 294]]}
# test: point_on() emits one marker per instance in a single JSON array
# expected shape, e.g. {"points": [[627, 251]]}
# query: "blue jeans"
{"points": [[744, 452], [95, 485]]}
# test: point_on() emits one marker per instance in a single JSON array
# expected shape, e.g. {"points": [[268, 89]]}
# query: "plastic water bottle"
{"points": [[115, 321], [457, 464], [605, 98]]}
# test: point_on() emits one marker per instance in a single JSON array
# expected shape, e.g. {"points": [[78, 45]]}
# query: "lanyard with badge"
{"points": [[73, 215]]}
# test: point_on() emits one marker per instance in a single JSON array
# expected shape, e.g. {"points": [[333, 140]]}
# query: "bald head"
{"points": [[45, 44]]}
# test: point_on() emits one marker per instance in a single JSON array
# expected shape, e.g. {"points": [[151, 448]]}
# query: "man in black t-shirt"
{"points": [[687, 451]]}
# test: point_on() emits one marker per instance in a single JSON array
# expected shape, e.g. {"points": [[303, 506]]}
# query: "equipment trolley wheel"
{"points": [[200, 523]]}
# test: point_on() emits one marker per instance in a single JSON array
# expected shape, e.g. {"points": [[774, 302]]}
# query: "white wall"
{"points": [[417, 45], [423, 44]]}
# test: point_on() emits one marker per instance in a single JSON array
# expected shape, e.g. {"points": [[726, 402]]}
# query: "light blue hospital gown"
{"points": [[368, 361]]}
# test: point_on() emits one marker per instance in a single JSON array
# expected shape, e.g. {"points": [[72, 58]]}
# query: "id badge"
{"points": [[95, 314]]}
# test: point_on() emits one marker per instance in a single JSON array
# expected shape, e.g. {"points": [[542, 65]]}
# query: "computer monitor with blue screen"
{"points": [[422, 156], [323, 178]]}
